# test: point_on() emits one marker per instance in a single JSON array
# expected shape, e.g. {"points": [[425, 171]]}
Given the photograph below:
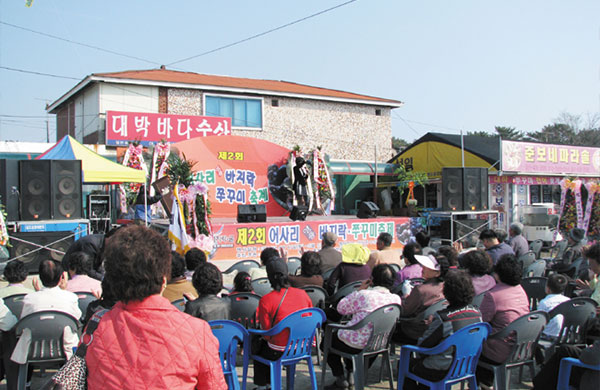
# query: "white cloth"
{"points": [[547, 304], [7, 318], [53, 298]]}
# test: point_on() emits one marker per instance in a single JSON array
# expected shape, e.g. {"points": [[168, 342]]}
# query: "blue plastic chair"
{"points": [[230, 334], [302, 325], [467, 342], [293, 264], [564, 374]]}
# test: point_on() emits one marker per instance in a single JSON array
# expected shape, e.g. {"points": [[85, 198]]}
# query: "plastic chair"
{"points": [[318, 296], [564, 374], [527, 259], [535, 269], [179, 304], [383, 321], [524, 333], [395, 267], [46, 348], [84, 299], [243, 309], [576, 313], [558, 250], [244, 265], [327, 274], [261, 286], [478, 299], [230, 334], [293, 264], [535, 288], [536, 247], [467, 344], [343, 291], [15, 303], [302, 326]]}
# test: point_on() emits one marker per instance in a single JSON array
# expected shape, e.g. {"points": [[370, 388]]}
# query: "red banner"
{"points": [[235, 170], [147, 128], [246, 241]]}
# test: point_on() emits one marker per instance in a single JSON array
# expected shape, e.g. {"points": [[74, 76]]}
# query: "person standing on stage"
{"points": [[300, 181], [142, 206]]}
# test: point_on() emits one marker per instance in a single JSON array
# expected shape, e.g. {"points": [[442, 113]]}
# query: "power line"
{"points": [[38, 73], [78, 43], [263, 33]]}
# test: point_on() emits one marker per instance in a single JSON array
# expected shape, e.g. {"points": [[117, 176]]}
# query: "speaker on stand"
{"points": [[26, 247], [464, 189], [34, 183], [99, 212], [9, 188], [66, 189]]}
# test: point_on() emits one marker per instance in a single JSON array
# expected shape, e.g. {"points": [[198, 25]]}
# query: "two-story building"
{"points": [[347, 125]]}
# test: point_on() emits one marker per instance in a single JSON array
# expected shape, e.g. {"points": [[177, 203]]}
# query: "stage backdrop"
{"points": [[246, 240], [235, 170]]}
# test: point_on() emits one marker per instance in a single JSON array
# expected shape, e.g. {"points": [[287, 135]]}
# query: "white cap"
{"points": [[428, 262]]}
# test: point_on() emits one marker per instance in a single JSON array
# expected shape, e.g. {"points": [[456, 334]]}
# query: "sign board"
{"points": [[529, 157], [148, 128]]}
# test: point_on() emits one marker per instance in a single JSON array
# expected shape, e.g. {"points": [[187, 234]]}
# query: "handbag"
{"points": [[73, 374], [257, 343]]}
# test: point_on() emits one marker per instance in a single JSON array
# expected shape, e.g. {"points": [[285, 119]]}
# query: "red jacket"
{"points": [[150, 344], [295, 299]]}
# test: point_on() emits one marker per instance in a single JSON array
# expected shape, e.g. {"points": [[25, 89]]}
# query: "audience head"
{"points": [[458, 288], [267, 254], [501, 234], [193, 258], [434, 267], [489, 238], [15, 271], [329, 239], [450, 253], [409, 252], [509, 270], [422, 238], [515, 229], [137, 263], [277, 272], [207, 279], [576, 235], [50, 273], [242, 282], [177, 265], [477, 262], [469, 241], [310, 264], [383, 275], [355, 254], [384, 240], [593, 256], [556, 284], [80, 263]]}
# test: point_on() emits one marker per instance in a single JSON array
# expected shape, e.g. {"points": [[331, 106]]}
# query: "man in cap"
{"points": [[330, 257], [517, 242], [573, 252], [385, 254]]}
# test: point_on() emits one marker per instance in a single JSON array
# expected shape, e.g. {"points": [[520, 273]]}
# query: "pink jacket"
{"points": [[150, 344]]}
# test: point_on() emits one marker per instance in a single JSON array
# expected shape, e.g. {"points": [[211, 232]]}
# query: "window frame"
{"points": [[239, 97]]}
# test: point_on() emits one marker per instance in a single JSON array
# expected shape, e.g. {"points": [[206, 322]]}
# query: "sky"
{"points": [[457, 65]]}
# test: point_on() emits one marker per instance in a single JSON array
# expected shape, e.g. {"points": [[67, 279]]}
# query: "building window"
{"points": [[275, 102], [243, 112], [378, 112]]}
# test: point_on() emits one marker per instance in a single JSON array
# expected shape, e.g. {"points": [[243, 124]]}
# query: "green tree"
{"points": [[509, 133], [398, 144], [570, 129], [481, 133]]}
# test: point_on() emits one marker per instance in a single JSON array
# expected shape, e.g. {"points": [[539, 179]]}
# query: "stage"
{"points": [[242, 241]]}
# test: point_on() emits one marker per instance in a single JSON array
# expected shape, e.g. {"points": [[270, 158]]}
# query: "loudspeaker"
{"points": [[9, 188], [33, 257], [163, 186], [34, 184], [98, 206], [66, 189], [252, 213], [367, 210], [50, 189], [299, 213], [464, 189]]}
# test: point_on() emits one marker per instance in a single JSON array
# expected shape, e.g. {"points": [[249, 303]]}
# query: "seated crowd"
{"points": [[136, 339]]}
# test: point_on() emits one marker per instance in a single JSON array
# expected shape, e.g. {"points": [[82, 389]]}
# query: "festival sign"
{"points": [[246, 241], [547, 158], [148, 128], [235, 170]]}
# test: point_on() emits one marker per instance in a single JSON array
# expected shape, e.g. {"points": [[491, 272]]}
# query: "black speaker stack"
{"points": [[464, 189], [9, 188], [50, 189], [31, 253]]}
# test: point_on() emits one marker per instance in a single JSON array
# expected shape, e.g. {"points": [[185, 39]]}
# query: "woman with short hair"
{"points": [[208, 282], [144, 341], [310, 271]]}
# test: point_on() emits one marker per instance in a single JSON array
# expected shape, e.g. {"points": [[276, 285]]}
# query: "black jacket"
{"points": [[209, 308]]}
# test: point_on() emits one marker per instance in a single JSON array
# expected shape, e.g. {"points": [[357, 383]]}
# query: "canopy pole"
{"points": [[376, 181], [146, 205], [462, 147]]}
